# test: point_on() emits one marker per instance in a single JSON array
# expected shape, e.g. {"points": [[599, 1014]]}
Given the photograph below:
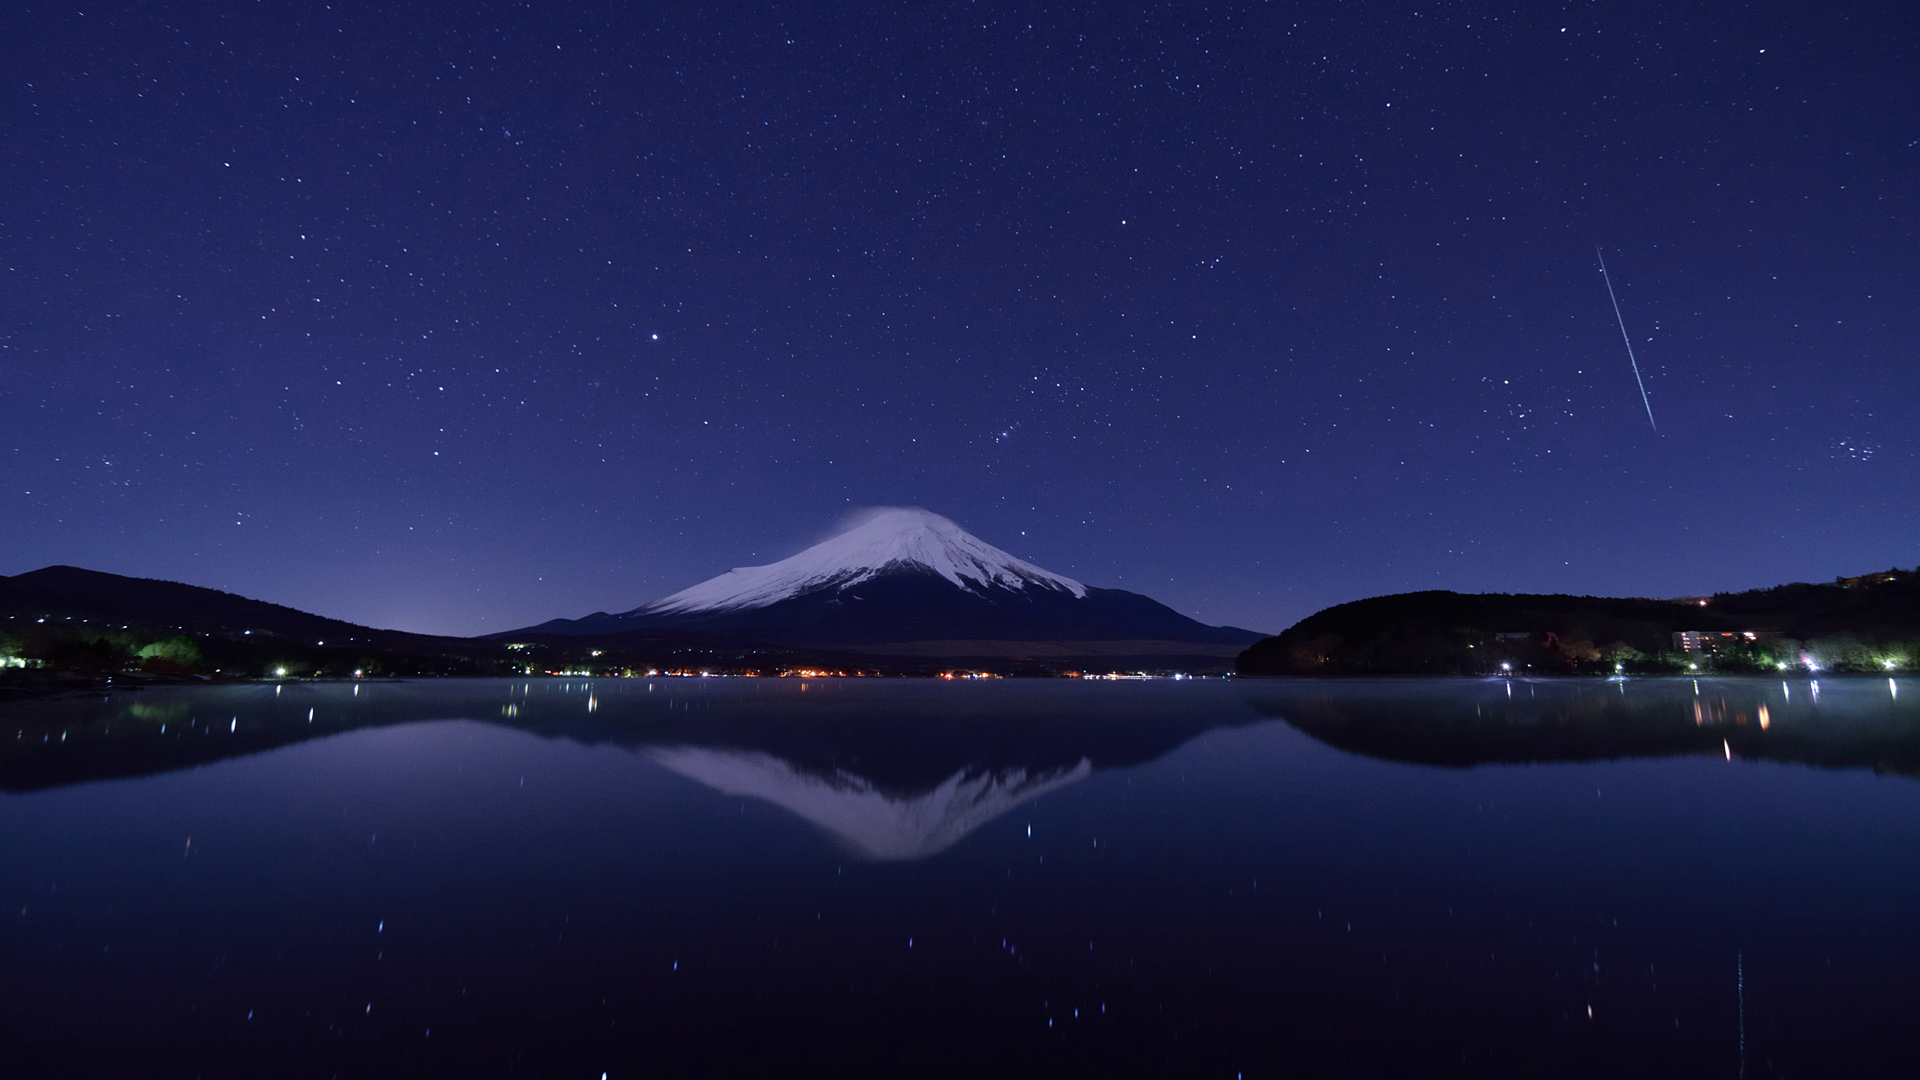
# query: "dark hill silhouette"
{"points": [[69, 592], [1849, 623], [86, 625]]}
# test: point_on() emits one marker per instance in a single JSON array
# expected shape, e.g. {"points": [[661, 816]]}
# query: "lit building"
{"points": [[1714, 642]]}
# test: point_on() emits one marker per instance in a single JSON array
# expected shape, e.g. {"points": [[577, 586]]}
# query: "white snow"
{"points": [[869, 822], [889, 538]]}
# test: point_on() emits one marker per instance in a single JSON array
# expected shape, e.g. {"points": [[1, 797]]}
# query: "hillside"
{"points": [[1864, 623], [85, 623]]}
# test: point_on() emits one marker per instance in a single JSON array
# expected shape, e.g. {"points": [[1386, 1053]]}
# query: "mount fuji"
{"points": [[908, 582], [870, 821]]}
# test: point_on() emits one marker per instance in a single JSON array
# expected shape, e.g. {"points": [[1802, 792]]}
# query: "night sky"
{"points": [[456, 318]]}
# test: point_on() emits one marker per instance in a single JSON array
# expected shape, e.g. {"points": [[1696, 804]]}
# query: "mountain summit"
{"points": [[892, 539], [906, 581]]}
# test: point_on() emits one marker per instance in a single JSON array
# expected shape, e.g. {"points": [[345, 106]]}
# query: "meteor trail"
{"points": [[1628, 340]]}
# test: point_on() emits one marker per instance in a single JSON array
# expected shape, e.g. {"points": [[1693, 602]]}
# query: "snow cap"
{"points": [[882, 538]]}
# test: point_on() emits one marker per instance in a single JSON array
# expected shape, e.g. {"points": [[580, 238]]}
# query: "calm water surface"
{"points": [[728, 877]]}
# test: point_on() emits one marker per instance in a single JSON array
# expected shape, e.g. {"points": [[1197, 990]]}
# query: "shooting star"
{"points": [[1623, 337]]}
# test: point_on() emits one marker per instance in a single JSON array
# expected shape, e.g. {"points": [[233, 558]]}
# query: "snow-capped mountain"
{"points": [[891, 539], [872, 822], [910, 582]]}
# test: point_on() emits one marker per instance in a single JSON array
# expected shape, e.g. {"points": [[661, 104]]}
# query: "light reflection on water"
{"points": [[1500, 877]]}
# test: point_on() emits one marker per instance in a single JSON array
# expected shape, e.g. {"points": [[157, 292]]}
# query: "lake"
{"points": [[570, 878]]}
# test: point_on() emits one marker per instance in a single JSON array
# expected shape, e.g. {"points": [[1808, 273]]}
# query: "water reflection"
{"points": [[893, 772], [1190, 887], [871, 822], [1844, 723], [890, 771]]}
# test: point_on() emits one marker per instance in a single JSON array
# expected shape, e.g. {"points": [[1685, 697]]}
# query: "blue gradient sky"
{"points": [[462, 317]]}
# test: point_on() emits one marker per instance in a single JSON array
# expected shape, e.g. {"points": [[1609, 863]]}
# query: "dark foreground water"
{"points": [[761, 877]]}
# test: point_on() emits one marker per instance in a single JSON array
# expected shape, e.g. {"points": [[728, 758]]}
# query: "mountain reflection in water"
{"points": [[894, 772], [872, 823], [744, 877], [888, 770]]}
